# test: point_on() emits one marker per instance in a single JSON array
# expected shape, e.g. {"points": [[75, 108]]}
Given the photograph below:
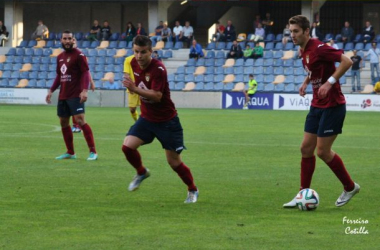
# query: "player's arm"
{"points": [[150, 94], [302, 89], [345, 64]]}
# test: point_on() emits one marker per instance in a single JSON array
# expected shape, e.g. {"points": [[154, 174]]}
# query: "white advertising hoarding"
{"points": [[23, 96]]}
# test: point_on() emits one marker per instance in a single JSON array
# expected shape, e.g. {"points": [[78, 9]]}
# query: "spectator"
{"points": [[286, 35], [166, 34], [130, 33], [105, 31], [347, 32], [259, 34], [248, 52], [355, 71], [235, 51], [94, 31], [315, 33], [256, 22], [258, 51], [219, 33], [177, 32], [373, 54], [230, 33], [3, 34], [267, 23], [111, 84], [187, 33], [196, 50], [252, 87], [41, 31], [140, 30], [333, 44], [157, 31], [368, 33], [155, 55]]}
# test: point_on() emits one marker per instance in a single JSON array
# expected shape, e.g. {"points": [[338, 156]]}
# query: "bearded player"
{"points": [[73, 77], [158, 117], [328, 108]]}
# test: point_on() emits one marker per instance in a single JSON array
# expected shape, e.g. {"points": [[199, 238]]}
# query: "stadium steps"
{"points": [[179, 58]]}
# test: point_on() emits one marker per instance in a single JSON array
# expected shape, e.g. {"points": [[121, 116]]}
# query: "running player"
{"points": [[133, 98], [158, 117], [73, 77], [252, 87], [328, 107]]}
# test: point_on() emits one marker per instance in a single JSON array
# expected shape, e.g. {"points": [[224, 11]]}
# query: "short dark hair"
{"points": [[67, 32], [301, 21], [142, 41], [250, 75]]}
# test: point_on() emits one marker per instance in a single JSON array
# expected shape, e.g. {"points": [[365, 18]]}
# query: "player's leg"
{"points": [[63, 113], [75, 128], [134, 113], [133, 102], [137, 135], [246, 99]]}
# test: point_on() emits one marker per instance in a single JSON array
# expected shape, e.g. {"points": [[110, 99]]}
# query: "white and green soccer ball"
{"points": [[307, 199]]}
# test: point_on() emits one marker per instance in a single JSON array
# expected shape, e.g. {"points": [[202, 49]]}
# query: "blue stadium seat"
{"points": [[278, 38], [111, 52], [268, 78], [41, 83], [229, 45], [199, 86], [57, 45], [358, 38], [268, 62], [228, 86], [208, 86], [228, 70], [359, 46], [38, 52], [15, 74], [338, 38], [92, 52], [6, 74], [1, 66], [289, 79], [279, 87], [178, 45], [258, 70], [102, 52], [279, 46], [179, 86], [209, 78], [288, 63], [269, 38], [219, 54], [168, 45], [130, 45], [219, 62], [209, 70], [99, 84], [259, 62], [29, 52], [86, 44], [349, 46], [218, 86], [239, 78], [260, 87], [13, 82], [210, 54], [31, 43], [180, 78], [122, 45], [309, 89], [10, 59], [167, 54], [278, 62], [269, 46], [114, 37], [297, 63], [51, 75], [220, 45], [7, 66], [189, 70], [189, 78], [342, 80], [23, 44], [58, 36], [278, 70], [238, 70], [47, 52], [94, 44], [110, 68], [97, 75], [200, 62], [50, 44], [113, 45], [219, 70], [52, 68], [17, 66], [239, 62], [248, 70], [24, 75], [190, 62], [210, 46], [110, 60], [299, 79], [249, 63], [209, 62], [289, 88], [269, 87], [4, 82], [288, 71], [171, 77], [91, 60], [46, 60], [100, 60], [32, 83], [199, 78], [180, 70], [33, 74], [268, 55], [99, 68], [299, 71], [171, 85], [289, 46], [52, 36], [12, 52], [129, 52], [42, 75], [19, 51], [328, 37], [18, 59], [268, 70]]}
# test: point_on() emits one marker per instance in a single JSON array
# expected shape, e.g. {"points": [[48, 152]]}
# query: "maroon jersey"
{"points": [[72, 74], [319, 60], [154, 77]]}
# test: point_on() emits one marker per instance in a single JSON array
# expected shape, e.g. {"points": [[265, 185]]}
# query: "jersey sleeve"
{"points": [[328, 53], [82, 61], [159, 78]]}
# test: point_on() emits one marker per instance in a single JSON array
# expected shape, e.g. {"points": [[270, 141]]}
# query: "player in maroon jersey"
{"points": [[73, 78], [328, 107], [158, 118]]}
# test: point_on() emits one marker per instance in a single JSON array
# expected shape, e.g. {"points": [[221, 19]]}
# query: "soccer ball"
{"points": [[307, 199]]}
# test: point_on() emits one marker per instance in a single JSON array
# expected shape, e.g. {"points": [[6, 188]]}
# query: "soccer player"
{"points": [[252, 87], [328, 107], [158, 117], [73, 77], [133, 98]]}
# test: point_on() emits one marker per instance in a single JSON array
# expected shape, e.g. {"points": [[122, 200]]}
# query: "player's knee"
{"points": [[306, 150], [323, 154], [133, 110], [80, 120]]}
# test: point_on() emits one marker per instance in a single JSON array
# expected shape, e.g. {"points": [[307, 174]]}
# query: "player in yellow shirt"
{"points": [[133, 98], [252, 87]]}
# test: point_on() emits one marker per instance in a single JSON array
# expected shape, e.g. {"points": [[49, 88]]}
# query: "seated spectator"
{"points": [[248, 52], [286, 35], [235, 51], [229, 32], [111, 84], [368, 33], [3, 34], [187, 33], [157, 32], [267, 23], [219, 33], [105, 31], [250, 92], [347, 32], [166, 34], [314, 32], [196, 50], [259, 34], [333, 44], [130, 33], [94, 32], [41, 31], [258, 51], [256, 22], [177, 32], [155, 55], [140, 30]]}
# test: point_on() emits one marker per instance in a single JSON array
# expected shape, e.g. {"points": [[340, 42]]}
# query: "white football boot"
{"points": [[345, 197], [291, 204], [192, 196], [135, 184]]}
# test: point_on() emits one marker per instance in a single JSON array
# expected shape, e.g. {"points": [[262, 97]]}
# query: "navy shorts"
{"points": [[170, 133], [325, 121], [70, 107]]}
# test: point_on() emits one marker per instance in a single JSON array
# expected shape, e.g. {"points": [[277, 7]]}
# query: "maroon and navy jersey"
{"points": [[154, 77], [319, 60], [70, 68]]}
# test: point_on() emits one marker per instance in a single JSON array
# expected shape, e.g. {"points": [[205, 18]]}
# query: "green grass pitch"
{"points": [[245, 163]]}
